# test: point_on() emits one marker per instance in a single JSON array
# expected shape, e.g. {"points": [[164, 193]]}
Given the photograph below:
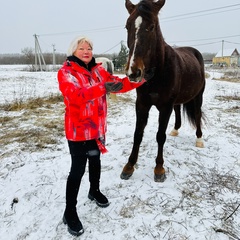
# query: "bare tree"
{"points": [[28, 55]]}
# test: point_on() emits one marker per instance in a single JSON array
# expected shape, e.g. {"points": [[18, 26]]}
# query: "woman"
{"points": [[84, 85]]}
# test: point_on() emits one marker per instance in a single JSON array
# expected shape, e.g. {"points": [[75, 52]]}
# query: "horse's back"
{"points": [[106, 63], [190, 55]]}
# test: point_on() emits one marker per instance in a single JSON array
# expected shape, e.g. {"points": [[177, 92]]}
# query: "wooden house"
{"points": [[227, 57]]}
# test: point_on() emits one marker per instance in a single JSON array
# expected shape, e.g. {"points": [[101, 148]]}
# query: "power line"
{"points": [[111, 48], [104, 29], [171, 18], [232, 42], [198, 15], [203, 11], [206, 39], [219, 42], [113, 28], [204, 44]]}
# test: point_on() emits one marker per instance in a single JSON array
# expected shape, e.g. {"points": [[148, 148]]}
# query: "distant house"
{"points": [[227, 57]]}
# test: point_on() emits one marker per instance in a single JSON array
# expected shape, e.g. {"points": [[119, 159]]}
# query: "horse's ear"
{"points": [[159, 4], [129, 6]]}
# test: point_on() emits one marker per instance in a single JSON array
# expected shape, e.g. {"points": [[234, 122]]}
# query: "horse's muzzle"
{"points": [[136, 76], [139, 75], [135, 70]]}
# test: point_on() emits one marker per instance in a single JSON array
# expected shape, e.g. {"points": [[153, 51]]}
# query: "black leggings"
{"points": [[81, 151]]}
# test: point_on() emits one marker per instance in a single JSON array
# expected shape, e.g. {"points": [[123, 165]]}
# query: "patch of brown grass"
{"points": [[235, 80], [228, 98], [207, 75], [32, 125], [233, 110], [230, 76], [31, 103]]}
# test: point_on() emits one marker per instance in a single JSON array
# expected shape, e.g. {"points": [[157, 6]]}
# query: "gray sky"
{"points": [[202, 24]]}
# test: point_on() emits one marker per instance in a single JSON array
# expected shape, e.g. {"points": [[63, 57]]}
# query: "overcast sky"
{"points": [[203, 24]]}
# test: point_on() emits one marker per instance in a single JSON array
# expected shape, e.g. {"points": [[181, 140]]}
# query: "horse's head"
{"points": [[143, 33]]}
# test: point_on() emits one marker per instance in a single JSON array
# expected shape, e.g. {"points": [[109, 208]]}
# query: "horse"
{"points": [[109, 66], [106, 63], [174, 77]]}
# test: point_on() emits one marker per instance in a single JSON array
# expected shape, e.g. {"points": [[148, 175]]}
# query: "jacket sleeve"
{"points": [[127, 84], [71, 89]]}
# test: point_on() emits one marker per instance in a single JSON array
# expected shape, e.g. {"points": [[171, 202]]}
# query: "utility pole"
{"points": [[222, 47], [38, 55], [54, 57]]}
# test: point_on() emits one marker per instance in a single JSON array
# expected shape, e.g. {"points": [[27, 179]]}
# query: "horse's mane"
{"points": [[146, 8]]}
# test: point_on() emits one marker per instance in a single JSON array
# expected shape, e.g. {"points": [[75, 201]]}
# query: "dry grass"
{"points": [[233, 110], [236, 80], [32, 125], [207, 75], [230, 76], [31, 103], [229, 98], [211, 185]]}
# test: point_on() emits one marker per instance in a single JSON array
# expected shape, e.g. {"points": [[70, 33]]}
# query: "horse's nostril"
{"points": [[132, 78], [138, 73], [135, 75]]}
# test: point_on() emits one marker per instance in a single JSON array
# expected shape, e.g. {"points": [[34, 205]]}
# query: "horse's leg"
{"points": [[142, 113], [177, 110], [198, 119], [164, 115], [194, 114]]}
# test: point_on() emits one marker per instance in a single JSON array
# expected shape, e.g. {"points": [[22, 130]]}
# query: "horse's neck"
{"points": [[160, 48]]}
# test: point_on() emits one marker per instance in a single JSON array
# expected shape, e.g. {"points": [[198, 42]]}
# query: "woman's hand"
{"points": [[113, 87]]}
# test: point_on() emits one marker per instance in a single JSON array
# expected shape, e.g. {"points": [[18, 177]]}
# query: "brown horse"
{"points": [[174, 76]]}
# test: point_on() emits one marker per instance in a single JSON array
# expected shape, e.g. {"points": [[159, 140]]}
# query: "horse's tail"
{"points": [[193, 111], [189, 111]]}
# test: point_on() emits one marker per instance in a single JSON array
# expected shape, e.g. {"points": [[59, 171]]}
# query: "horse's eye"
{"points": [[150, 28]]}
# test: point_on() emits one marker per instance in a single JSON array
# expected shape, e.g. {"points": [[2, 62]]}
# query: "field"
{"points": [[199, 199]]}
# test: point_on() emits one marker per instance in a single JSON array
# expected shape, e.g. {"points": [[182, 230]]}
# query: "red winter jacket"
{"points": [[85, 99]]}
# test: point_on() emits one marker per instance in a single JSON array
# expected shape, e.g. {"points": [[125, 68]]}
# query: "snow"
{"points": [[197, 201]]}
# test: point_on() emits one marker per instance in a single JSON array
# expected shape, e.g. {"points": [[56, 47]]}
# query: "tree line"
{"points": [[27, 57]]}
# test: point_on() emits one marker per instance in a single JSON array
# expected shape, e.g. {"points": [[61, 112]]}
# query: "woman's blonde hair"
{"points": [[74, 44]]}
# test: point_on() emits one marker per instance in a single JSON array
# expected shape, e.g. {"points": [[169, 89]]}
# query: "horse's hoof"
{"points": [[159, 178], [174, 133], [125, 176], [199, 143]]}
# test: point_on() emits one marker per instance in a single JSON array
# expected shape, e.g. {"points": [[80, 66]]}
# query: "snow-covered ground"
{"points": [[199, 199]]}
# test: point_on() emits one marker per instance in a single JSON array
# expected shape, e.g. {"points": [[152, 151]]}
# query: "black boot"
{"points": [[70, 216], [94, 178], [98, 197]]}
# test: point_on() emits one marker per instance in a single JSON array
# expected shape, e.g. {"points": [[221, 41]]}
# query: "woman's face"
{"points": [[84, 52]]}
